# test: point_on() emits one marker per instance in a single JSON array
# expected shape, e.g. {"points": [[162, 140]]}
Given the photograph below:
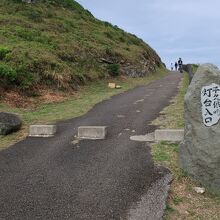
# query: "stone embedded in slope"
{"points": [[199, 153], [9, 123]]}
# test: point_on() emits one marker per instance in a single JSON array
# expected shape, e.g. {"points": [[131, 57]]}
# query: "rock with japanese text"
{"points": [[199, 153], [210, 99]]}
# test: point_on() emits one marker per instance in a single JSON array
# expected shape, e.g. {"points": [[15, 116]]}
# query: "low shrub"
{"points": [[122, 39], [50, 14], [16, 1], [113, 69], [33, 35], [70, 4], [108, 35], [19, 77], [89, 13], [33, 15], [25, 78], [127, 48], [8, 73], [134, 40], [109, 51], [107, 24], [81, 78], [67, 56], [3, 52]]}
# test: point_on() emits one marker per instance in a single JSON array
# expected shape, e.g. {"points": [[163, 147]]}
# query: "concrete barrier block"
{"points": [[42, 130], [92, 132], [169, 135], [150, 137]]}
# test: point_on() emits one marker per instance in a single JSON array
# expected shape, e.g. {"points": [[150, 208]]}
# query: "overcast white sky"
{"points": [[174, 28]]}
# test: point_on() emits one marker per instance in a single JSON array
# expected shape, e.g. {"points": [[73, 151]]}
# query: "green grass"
{"points": [[74, 106], [177, 200], [183, 202], [59, 44], [194, 67]]}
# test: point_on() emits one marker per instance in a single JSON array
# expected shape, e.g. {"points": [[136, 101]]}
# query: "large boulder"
{"points": [[199, 153], [9, 123]]}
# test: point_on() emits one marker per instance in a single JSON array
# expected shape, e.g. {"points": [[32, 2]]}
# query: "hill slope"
{"points": [[55, 43]]}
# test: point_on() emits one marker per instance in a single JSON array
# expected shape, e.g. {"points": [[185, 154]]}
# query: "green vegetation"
{"points": [[183, 202], [75, 105], [57, 43], [3, 52], [113, 69], [194, 67]]}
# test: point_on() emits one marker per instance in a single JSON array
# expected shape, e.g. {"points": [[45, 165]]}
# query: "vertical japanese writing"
{"points": [[210, 99]]}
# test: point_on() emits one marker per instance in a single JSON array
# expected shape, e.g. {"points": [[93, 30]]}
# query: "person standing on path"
{"points": [[180, 63], [171, 66], [176, 66]]}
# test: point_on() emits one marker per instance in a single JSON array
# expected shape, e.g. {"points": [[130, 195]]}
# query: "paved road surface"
{"points": [[52, 178]]}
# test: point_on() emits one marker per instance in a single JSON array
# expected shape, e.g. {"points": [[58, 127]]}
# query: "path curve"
{"points": [[52, 178]]}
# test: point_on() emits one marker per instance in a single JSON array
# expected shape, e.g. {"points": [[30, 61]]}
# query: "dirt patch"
{"points": [[51, 97], [187, 204], [15, 99]]}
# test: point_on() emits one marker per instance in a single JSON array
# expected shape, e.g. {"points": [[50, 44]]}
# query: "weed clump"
{"points": [[19, 76], [8, 74], [113, 70], [3, 52], [34, 16]]}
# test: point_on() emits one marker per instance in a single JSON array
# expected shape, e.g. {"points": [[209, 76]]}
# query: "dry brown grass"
{"points": [[185, 203]]}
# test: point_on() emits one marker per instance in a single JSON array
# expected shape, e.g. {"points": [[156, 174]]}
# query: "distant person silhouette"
{"points": [[171, 66], [180, 63], [176, 66]]}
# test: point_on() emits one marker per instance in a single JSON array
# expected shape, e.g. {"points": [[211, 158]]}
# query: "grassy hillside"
{"points": [[59, 44]]}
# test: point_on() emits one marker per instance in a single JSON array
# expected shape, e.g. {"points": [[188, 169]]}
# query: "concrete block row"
{"points": [[84, 132], [100, 132]]}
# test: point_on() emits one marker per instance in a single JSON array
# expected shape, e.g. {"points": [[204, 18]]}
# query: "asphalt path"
{"points": [[58, 178]]}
